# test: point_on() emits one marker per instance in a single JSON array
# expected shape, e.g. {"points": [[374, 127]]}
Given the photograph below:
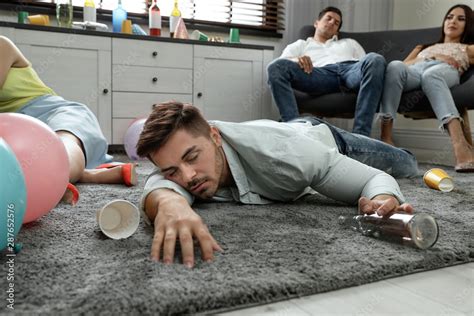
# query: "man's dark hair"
{"points": [[166, 119], [331, 9]]}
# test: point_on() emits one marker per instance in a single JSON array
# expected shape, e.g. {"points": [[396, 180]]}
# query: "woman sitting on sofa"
{"points": [[435, 68], [22, 91]]}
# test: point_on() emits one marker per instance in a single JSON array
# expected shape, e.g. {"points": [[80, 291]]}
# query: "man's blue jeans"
{"points": [[365, 76], [398, 162]]}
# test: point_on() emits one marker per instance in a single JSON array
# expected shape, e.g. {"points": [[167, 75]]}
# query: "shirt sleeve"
{"points": [[358, 50], [346, 179], [157, 181], [293, 50]]}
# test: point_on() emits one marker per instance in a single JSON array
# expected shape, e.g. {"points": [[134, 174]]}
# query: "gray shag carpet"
{"points": [[271, 253]]}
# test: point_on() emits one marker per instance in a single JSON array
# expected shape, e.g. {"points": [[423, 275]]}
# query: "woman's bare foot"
{"points": [[120, 174], [463, 151], [464, 154]]}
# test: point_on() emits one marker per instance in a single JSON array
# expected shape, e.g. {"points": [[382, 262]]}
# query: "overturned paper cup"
{"points": [[118, 219], [39, 19], [199, 36], [438, 179]]}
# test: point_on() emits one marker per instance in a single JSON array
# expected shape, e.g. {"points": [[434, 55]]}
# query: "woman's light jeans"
{"points": [[435, 79]]}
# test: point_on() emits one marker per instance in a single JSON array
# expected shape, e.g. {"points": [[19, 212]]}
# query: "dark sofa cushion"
{"points": [[393, 45]]}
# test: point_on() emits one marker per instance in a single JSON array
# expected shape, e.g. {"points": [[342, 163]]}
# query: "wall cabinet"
{"points": [[121, 79], [228, 83]]}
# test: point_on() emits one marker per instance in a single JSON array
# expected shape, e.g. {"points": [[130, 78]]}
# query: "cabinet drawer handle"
{"points": [[199, 94], [155, 54], [154, 79], [105, 91]]}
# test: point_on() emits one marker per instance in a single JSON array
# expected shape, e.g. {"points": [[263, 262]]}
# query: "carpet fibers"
{"points": [[271, 253]]}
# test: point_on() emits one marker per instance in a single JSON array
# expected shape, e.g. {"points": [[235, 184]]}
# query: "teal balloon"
{"points": [[12, 196]]}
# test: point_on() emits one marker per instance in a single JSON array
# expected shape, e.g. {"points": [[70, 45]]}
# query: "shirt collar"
{"points": [[236, 168], [332, 39]]}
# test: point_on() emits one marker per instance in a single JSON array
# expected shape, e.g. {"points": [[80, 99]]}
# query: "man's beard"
{"points": [[209, 192]]}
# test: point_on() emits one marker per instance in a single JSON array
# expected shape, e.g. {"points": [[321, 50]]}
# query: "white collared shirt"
{"points": [[333, 51]]}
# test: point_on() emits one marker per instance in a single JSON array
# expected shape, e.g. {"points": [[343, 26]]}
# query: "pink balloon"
{"points": [[42, 157], [131, 137]]}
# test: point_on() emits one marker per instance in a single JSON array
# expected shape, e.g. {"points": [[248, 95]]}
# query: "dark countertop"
{"points": [[127, 36]]}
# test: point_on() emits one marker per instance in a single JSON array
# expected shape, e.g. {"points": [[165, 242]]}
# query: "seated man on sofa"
{"points": [[324, 64], [254, 163]]}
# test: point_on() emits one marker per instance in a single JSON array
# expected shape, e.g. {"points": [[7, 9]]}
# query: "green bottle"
{"points": [[64, 13]]}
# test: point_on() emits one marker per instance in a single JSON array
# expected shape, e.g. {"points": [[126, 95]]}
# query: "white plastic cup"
{"points": [[118, 219], [199, 36]]}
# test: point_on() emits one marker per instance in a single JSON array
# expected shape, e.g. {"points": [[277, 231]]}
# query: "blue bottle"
{"points": [[118, 16]]}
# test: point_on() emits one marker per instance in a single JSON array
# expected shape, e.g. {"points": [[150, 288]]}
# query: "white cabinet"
{"points": [[8, 32], [146, 73], [128, 106], [228, 83], [120, 79], [76, 67]]}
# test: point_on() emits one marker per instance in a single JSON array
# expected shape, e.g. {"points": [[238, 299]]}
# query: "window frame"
{"points": [[142, 18]]}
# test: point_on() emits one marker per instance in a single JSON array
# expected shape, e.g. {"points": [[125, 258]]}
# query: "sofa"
{"points": [[393, 45]]}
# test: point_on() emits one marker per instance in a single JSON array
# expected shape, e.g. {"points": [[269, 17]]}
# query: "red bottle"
{"points": [[154, 17]]}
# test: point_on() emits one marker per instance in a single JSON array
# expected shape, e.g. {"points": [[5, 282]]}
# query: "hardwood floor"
{"points": [[447, 291]]}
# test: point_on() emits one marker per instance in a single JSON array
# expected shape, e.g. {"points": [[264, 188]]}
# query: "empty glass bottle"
{"points": [[419, 230], [119, 14], [64, 13]]}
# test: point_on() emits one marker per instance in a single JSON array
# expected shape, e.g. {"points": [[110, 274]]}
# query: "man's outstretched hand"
{"points": [[383, 205], [177, 221]]}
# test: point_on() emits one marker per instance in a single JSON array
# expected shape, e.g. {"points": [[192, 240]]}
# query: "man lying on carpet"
{"points": [[254, 163]]}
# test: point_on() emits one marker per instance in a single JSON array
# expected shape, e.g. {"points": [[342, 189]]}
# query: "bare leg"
{"points": [[463, 151], [466, 127], [386, 131], [77, 163], [104, 176]]}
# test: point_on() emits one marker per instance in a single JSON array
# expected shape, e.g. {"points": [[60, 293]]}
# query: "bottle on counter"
{"points": [[174, 18], [118, 16], [154, 17], [64, 13], [89, 11], [417, 230]]}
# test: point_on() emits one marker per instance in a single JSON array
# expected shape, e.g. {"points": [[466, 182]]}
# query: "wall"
{"points": [[411, 14]]}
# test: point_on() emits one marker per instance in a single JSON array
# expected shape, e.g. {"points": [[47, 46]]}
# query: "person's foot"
{"points": [[464, 154], [124, 172], [464, 167]]}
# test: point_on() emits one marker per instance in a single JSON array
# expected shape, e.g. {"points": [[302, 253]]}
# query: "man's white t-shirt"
{"points": [[333, 51]]}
